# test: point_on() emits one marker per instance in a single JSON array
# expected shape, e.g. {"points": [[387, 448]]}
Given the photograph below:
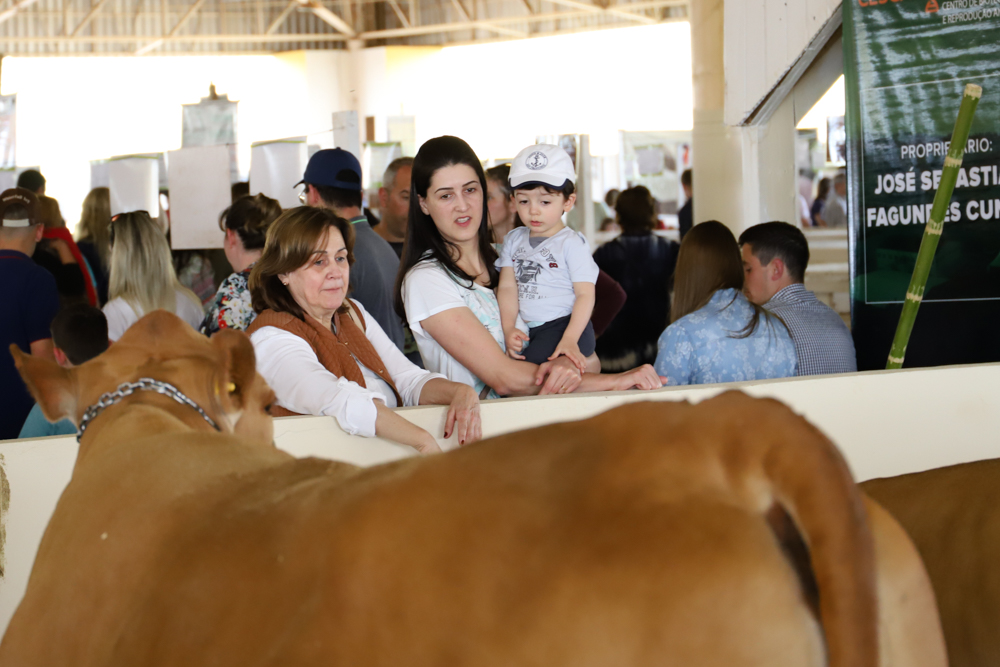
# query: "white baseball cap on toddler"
{"points": [[542, 164]]}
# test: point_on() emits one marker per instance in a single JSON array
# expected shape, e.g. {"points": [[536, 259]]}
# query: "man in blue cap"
{"points": [[333, 182]]}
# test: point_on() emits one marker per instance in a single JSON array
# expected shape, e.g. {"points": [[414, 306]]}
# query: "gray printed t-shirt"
{"points": [[545, 273]]}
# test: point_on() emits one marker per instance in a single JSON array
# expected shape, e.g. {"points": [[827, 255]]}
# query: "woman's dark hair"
{"points": [[292, 240], [823, 189], [250, 217], [422, 235], [636, 211], [709, 260]]}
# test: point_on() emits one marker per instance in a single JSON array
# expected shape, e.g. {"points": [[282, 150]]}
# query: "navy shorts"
{"points": [[545, 337]]}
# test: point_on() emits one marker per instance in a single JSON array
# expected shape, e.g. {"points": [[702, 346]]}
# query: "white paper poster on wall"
{"points": [[134, 181], [8, 177], [346, 134], [275, 168], [8, 131], [199, 192], [656, 160], [403, 129], [100, 176], [374, 160]]}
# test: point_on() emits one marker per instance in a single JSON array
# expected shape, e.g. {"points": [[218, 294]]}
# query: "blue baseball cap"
{"points": [[324, 166]]}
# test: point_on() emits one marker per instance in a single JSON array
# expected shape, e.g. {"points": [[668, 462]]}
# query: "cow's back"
{"points": [[953, 517], [636, 537], [543, 547]]}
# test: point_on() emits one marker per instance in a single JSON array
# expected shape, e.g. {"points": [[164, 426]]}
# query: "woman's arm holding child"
{"points": [[583, 308]]}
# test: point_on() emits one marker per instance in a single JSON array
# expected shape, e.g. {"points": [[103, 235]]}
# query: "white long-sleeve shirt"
{"points": [[302, 384]]}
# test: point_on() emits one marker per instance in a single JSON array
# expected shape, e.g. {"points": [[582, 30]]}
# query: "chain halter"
{"points": [[127, 389]]}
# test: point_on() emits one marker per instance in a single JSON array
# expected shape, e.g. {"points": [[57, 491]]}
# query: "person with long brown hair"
{"points": [[716, 334], [93, 238]]}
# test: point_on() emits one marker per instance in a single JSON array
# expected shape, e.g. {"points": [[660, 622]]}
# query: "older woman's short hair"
{"points": [[291, 242]]}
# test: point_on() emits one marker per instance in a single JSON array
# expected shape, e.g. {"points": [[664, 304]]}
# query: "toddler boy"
{"points": [[547, 273]]}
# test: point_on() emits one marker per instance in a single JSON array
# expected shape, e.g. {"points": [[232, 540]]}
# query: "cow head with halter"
{"points": [[162, 363]]}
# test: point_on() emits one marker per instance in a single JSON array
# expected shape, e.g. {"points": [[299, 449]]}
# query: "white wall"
{"points": [[885, 422], [73, 110], [764, 38], [500, 96], [327, 78]]}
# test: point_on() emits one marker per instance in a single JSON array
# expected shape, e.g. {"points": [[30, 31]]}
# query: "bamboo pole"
{"points": [[932, 232]]}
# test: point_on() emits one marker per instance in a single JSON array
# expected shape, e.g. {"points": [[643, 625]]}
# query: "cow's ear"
{"points": [[53, 386], [240, 365]]}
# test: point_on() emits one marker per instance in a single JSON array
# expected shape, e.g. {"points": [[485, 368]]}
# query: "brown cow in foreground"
{"points": [[953, 517], [723, 533]]}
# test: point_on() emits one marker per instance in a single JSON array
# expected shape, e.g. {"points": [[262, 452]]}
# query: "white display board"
{"points": [[199, 193], [656, 160], [100, 174], [8, 177], [346, 134], [403, 130], [375, 158], [275, 168], [134, 181], [8, 131]]}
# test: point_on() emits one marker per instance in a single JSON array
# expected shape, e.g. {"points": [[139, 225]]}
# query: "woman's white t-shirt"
{"points": [[121, 315], [429, 289]]}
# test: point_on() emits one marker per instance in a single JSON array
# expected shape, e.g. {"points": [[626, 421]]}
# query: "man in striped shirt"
{"points": [[775, 255]]}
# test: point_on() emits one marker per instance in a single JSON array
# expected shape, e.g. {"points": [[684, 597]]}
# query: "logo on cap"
{"points": [[536, 161]]}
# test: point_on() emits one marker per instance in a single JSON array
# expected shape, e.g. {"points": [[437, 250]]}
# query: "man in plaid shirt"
{"points": [[775, 255]]}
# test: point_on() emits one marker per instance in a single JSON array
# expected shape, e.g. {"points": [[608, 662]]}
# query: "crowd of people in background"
{"points": [[468, 286], [828, 208]]}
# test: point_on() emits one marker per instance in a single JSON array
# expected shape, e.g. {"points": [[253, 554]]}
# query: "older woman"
{"points": [[245, 224], [446, 286], [323, 354], [716, 334]]}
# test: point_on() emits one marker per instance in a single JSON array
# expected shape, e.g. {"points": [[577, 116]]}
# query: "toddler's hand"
{"points": [[572, 352], [515, 343]]}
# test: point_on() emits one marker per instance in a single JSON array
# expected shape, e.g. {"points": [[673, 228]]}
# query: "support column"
{"points": [[717, 169], [743, 175], [769, 180]]}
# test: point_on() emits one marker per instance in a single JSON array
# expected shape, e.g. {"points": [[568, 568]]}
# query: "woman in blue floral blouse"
{"points": [[245, 224], [716, 334]]}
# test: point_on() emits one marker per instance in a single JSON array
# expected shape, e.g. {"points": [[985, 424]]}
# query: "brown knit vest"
{"points": [[336, 352]]}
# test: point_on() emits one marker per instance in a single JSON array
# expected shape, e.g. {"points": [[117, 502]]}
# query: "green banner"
{"points": [[906, 63]]}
